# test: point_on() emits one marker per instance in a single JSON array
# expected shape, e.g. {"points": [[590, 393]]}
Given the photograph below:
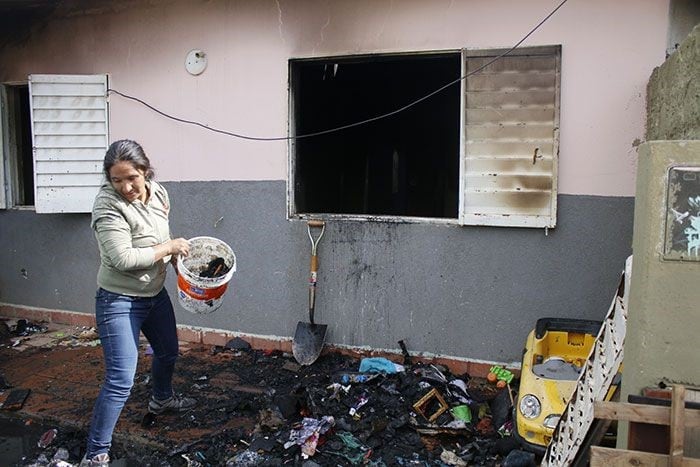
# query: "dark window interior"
{"points": [[403, 165], [21, 140]]}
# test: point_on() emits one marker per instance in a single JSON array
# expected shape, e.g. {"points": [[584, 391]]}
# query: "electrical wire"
{"points": [[349, 125]]}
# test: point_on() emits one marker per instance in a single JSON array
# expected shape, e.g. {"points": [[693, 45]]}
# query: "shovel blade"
{"points": [[308, 342]]}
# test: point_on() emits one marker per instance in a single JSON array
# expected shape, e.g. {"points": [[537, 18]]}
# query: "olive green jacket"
{"points": [[125, 233]]}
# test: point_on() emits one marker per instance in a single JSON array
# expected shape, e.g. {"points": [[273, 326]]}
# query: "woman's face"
{"points": [[128, 181]]}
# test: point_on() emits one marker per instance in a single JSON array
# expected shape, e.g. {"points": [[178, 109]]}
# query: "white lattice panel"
{"points": [[594, 381]]}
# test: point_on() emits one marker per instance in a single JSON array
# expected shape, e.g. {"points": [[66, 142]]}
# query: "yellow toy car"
{"points": [[555, 352]]}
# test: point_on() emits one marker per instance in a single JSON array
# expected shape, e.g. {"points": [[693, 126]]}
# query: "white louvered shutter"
{"points": [[511, 138], [69, 136]]}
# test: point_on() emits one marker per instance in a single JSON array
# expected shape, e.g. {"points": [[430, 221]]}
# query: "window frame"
{"points": [[291, 151], [4, 147], [464, 218], [10, 182]]}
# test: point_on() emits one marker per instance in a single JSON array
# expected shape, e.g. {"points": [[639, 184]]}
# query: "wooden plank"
{"points": [[677, 426], [609, 457], [643, 413], [692, 435], [632, 412], [662, 401]]}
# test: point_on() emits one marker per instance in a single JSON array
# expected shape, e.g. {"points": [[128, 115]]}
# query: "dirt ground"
{"points": [[254, 407]]}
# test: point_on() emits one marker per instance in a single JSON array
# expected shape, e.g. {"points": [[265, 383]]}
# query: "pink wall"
{"points": [[609, 51]]}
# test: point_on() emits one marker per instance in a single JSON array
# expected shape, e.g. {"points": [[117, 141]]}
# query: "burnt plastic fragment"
{"points": [[519, 458], [149, 420], [406, 356], [47, 438], [15, 400], [3, 383], [237, 344], [263, 443], [501, 408], [216, 268]]}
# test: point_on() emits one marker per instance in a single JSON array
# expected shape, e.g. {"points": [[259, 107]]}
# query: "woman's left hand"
{"points": [[179, 246]]}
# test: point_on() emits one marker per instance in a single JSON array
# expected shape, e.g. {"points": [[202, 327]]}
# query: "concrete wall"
{"points": [[663, 306], [683, 15], [472, 293], [663, 310], [143, 45], [664, 295], [673, 102], [463, 291]]}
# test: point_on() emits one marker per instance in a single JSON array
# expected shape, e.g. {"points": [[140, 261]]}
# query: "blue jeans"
{"points": [[120, 318]]}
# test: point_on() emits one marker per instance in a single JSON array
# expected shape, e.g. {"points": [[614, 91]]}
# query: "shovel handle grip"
{"points": [[312, 287], [315, 223]]}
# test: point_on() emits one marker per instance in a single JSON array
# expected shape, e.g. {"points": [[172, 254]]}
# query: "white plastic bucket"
{"points": [[203, 294]]}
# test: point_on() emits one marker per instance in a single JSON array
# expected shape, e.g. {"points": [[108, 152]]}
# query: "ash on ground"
{"points": [[260, 408]]}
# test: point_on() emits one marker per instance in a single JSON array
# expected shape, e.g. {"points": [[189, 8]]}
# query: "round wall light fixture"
{"points": [[196, 62]]}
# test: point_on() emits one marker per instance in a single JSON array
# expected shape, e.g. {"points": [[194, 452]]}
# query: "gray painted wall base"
{"points": [[472, 292]]}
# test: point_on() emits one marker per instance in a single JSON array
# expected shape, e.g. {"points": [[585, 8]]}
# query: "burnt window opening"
{"points": [[20, 164], [404, 165]]}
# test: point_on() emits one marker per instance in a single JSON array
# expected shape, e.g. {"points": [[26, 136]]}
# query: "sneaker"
{"points": [[172, 404], [100, 460]]}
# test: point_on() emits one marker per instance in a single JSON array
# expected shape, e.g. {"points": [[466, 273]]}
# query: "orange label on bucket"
{"points": [[200, 293]]}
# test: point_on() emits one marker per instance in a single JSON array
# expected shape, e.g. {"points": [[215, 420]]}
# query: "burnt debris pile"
{"points": [[339, 411], [261, 408]]}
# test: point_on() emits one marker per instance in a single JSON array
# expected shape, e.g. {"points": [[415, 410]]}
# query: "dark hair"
{"points": [[126, 150]]}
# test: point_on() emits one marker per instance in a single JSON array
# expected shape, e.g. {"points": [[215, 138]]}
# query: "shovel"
{"points": [[309, 337]]}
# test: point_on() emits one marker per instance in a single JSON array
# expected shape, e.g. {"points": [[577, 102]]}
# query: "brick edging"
{"points": [[220, 337]]}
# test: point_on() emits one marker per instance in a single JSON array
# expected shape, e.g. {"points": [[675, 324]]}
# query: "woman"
{"points": [[130, 219]]}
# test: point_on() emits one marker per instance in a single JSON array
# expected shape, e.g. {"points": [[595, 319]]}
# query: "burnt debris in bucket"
{"points": [[216, 268], [203, 275]]}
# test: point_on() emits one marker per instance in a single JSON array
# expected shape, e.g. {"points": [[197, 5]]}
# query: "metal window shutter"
{"points": [[511, 138], [69, 137]]}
